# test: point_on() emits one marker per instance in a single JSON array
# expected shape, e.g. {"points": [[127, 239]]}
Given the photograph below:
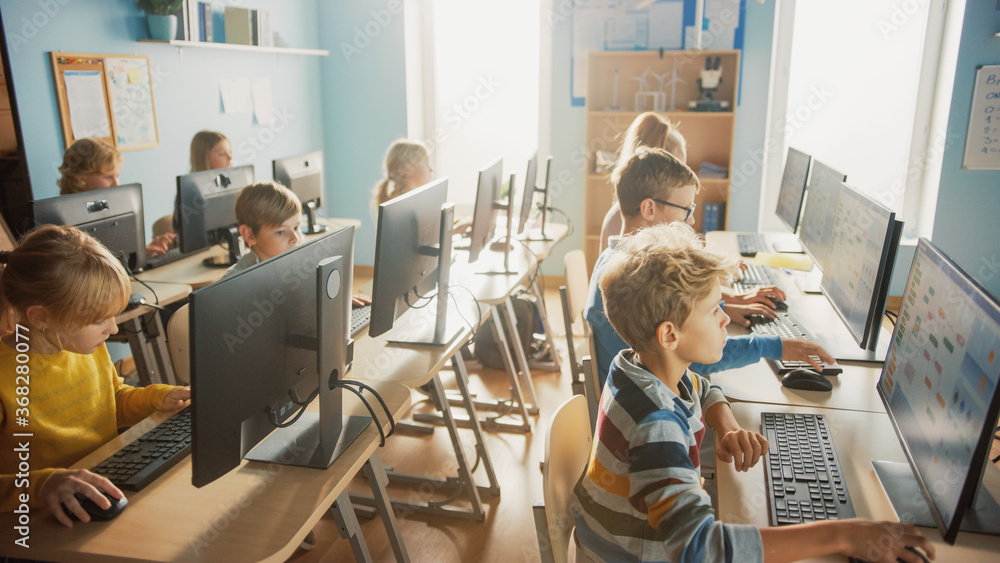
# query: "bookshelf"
{"points": [[709, 134], [234, 47]]}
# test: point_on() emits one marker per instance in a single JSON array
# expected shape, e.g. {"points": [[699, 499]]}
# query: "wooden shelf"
{"points": [[234, 47], [713, 181], [672, 115]]}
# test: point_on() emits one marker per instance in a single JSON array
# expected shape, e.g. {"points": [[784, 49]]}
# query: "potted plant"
{"points": [[160, 17]]}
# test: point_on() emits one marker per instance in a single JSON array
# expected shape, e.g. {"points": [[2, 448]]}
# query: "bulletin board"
{"points": [[105, 96]]}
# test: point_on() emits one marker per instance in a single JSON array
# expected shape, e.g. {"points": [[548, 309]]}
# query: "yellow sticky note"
{"points": [[787, 260], [133, 76]]}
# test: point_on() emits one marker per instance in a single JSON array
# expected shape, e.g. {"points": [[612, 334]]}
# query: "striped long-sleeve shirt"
{"points": [[641, 498]]}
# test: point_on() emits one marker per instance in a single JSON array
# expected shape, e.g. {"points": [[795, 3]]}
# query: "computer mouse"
{"points": [[134, 300], [806, 380], [918, 552], [778, 305], [98, 514]]}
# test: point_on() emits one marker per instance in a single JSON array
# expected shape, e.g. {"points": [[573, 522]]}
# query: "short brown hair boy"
{"points": [[266, 204], [651, 173]]}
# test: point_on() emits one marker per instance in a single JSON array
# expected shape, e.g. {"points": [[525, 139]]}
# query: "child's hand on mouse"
{"points": [[763, 295], [741, 314], [61, 486], [883, 542], [176, 399]]}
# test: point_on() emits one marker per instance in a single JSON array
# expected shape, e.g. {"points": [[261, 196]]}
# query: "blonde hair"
{"points": [[651, 173], [658, 274], [402, 154], [83, 158], [68, 272], [266, 204], [201, 148], [648, 130]]}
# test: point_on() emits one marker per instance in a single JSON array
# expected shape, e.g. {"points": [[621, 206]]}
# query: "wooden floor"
{"points": [[508, 532]]}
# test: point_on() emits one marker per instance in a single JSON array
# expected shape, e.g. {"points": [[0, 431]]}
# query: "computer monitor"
{"points": [[859, 261], [207, 204], [816, 225], [412, 256], [484, 213], [939, 388], [528, 195], [264, 343], [793, 188], [111, 215], [546, 193], [303, 174]]}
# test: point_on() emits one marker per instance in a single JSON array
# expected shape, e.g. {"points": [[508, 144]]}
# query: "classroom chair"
{"points": [[568, 443], [163, 225], [573, 296], [179, 344]]}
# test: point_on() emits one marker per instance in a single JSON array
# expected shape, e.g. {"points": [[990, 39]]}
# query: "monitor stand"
{"points": [[311, 227], [300, 444], [983, 517], [809, 282], [842, 346], [785, 243], [232, 237]]}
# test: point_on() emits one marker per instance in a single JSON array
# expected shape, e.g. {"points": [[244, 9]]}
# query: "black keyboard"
{"points": [[750, 244], [785, 326], [141, 462], [360, 318], [172, 255], [756, 275], [804, 480]]}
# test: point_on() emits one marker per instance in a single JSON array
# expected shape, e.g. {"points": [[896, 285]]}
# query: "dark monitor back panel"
{"points": [[527, 196], [207, 203], [484, 214], [793, 187], [111, 215], [816, 226], [303, 174], [402, 269]]}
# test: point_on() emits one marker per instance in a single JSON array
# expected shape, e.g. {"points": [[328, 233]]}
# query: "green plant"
{"points": [[159, 7]]}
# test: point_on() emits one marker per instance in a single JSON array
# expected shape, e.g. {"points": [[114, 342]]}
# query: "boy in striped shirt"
{"points": [[640, 498]]}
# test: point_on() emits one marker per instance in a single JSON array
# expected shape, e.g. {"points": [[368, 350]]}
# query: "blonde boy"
{"points": [[270, 219], [640, 498]]}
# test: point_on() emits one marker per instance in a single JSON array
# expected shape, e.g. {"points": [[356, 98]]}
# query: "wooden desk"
{"points": [[859, 437], [190, 270], [257, 512], [143, 330]]}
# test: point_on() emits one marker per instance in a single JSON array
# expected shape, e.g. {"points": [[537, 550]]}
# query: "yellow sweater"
{"points": [[76, 403]]}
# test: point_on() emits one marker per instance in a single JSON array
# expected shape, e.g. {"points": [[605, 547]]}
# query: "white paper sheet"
{"points": [[88, 115], [262, 107], [236, 97]]}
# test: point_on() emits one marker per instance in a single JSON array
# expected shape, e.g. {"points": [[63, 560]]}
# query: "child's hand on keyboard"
{"points": [[360, 300], [795, 349], [741, 314], [742, 448], [160, 244], [763, 295], [176, 399]]}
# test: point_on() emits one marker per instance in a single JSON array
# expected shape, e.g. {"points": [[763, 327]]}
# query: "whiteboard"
{"points": [[982, 145]]}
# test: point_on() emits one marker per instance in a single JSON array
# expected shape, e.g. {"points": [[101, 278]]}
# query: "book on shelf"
{"points": [[191, 25], [205, 21], [238, 28], [711, 170], [712, 217]]}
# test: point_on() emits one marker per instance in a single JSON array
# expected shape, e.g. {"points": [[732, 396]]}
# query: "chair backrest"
{"points": [[567, 449], [163, 225], [179, 342], [577, 281]]}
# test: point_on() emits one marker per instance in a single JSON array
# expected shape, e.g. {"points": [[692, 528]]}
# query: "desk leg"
{"points": [[343, 513], [147, 340], [553, 363], [523, 371], [375, 473]]}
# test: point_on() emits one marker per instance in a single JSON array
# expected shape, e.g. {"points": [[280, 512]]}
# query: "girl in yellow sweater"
{"points": [[60, 397]]}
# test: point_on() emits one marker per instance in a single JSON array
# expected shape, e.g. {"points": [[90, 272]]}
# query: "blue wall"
{"points": [[185, 89], [364, 97], [966, 223]]}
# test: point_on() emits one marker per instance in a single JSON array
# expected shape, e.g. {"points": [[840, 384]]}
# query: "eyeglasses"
{"points": [[690, 210]]}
